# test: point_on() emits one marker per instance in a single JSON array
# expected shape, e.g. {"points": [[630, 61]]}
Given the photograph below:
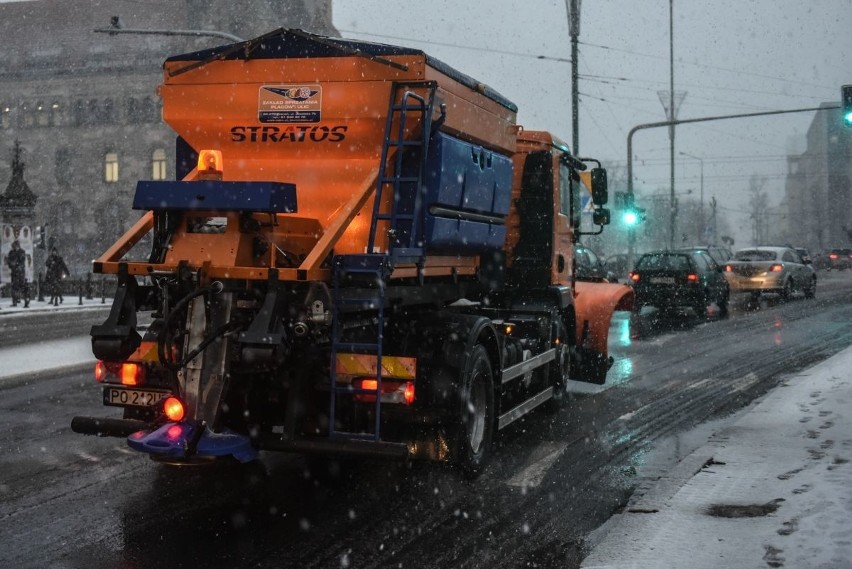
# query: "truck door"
{"points": [[565, 216]]}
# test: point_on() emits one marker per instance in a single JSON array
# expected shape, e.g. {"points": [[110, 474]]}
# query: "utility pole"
{"points": [[573, 7]]}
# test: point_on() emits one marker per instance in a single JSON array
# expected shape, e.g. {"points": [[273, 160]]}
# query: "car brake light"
{"points": [[776, 268], [729, 269], [634, 277], [692, 277], [173, 409], [392, 391], [832, 256]]}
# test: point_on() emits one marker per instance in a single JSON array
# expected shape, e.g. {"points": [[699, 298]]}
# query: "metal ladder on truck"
{"points": [[358, 281]]}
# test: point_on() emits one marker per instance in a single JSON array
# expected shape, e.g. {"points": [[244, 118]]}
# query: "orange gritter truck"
{"points": [[362, 255]]}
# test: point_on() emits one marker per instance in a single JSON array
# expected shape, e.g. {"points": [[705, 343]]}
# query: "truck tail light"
{"points": [[173, 409], [692, 278], [127, 373], [393, 391], [776, 268]]}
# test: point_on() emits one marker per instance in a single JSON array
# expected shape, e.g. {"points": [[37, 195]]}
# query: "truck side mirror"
{"points": [[599, 187], [600, 216]]}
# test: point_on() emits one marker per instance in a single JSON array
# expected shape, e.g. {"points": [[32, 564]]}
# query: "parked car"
{"points": [[840, 259], [617, 265], [673, 280], [777, 270], [804, 254], [821, 262], [590, 267], [720, 255]]}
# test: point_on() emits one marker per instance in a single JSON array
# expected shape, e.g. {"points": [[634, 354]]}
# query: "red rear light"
{"points": [[776, 268], [393, 391], [832, 256], [173, 409], [634, 277], [100, 371], [692, 277], [729, 269], [408, 393]]}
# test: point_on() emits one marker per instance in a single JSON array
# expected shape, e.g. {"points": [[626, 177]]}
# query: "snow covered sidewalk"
{"points": [[27, 359], [770, 490]]}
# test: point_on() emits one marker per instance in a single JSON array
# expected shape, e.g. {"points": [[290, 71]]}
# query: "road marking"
{"points": [[540, 461]]}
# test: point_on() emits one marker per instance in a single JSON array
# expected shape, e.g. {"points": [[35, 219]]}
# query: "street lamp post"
{"points": [[701, 227], [573, 7]]}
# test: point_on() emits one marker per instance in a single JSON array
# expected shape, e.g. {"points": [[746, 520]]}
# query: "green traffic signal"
{"points": [[846, 102], [630, 217], [847, 118]]}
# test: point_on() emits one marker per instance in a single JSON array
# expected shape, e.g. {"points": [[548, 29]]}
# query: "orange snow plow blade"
{"points": [[594, 304]]}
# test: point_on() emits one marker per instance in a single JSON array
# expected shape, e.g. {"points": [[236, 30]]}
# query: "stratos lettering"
{"points": [[288, 134]]}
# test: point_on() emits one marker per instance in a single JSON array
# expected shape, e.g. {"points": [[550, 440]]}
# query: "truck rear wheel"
{"points": [[560, 372], [475, 431]]}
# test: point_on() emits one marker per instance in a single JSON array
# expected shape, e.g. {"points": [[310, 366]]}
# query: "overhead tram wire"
{"points": [[607, 79], [460, 46], [736, 71]]}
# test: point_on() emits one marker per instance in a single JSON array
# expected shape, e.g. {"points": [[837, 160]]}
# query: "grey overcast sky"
{"points": [[731, 56]]}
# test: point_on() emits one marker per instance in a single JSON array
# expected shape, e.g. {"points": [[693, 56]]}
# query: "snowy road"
{"points": [[72, 501]]}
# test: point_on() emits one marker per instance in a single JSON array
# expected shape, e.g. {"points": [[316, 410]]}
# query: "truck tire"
{"points": [[560, 372], [475, 429]]}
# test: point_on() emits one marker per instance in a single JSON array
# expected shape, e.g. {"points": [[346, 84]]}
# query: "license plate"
{"points": [[663, 280], [125, 397]]}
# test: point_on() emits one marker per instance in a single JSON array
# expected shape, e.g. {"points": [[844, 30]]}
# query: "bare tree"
{"points": [[758, 208]]}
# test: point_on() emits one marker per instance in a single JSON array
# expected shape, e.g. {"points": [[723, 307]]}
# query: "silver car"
{"points": [[778, 270]]}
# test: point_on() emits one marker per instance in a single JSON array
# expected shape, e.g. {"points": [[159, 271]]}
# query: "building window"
{"points": [[27, 118], [107, 112], [149, 110], [158, 163], [79, 113], [42, 114], [131, 111], [111, 167], [57, 114], [93, 113]]}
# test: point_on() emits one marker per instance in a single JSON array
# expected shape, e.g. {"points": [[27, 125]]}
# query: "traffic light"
{"points": [[846, 99], [38, 236], [633, 216]]}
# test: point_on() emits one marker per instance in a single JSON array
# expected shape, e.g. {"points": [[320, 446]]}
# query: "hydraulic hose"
{"points": [[215, 287]]}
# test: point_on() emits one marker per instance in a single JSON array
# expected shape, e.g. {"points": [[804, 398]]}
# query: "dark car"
{"points": [[590, 267], [840, 259], [674, 280], [617, 265]]}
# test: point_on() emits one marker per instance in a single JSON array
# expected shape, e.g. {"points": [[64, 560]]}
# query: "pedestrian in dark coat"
{"points": [[56, 270], [17, 261]]}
